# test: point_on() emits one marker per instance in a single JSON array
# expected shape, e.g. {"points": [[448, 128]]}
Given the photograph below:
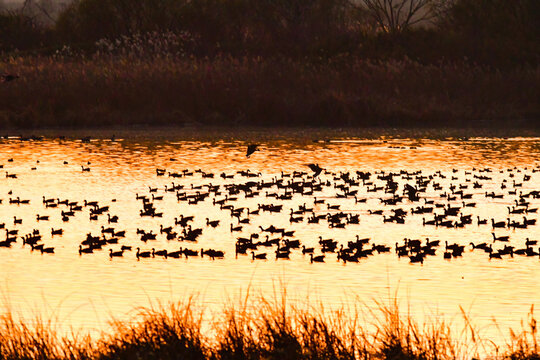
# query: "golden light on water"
{"points": [[83, 291]]}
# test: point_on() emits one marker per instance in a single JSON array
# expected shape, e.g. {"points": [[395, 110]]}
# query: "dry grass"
{"points": [[266, 329], [118, 91]]}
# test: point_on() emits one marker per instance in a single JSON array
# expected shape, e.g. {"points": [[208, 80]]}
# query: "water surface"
{"points": [[85, 291]]}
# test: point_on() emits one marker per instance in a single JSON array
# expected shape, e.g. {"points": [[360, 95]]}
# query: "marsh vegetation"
{"points": [[317, 62]]}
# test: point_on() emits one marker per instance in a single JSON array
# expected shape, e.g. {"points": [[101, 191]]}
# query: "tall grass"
{"points": [[234, 91], [265, 329]]}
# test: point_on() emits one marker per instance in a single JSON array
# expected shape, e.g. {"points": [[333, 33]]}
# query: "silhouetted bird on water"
{"points": [[316, 169], [8, 77], [251, 149]]}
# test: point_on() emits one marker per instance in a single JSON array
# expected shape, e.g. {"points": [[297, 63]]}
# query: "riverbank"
{"points": [[266, 329], [261, 133], [110, 92]]}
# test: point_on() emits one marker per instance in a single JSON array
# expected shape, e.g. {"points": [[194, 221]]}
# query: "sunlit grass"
{"points": [[266, 328], [117, 90]]}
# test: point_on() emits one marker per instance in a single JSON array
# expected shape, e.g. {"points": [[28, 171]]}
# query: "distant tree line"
{"points": [[500, 33]]}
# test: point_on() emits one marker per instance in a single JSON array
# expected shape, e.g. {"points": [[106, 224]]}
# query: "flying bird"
{"points": [[316, 169], [251, 149]]}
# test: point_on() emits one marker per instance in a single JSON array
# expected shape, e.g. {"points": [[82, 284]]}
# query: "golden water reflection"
{"points": [[84, 291]]}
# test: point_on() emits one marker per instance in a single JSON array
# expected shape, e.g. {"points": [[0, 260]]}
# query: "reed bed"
{"points": [[120, 90], [266, 329]]}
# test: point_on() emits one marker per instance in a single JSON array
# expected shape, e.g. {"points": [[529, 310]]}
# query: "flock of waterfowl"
{"points": [[309, 197]]}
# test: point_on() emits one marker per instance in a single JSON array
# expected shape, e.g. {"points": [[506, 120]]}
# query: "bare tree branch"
{"points": [[393, 16], [44, 11]]}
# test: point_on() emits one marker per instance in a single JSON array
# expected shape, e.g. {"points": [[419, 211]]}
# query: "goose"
{"points": [[57, 231], [432, 243], [48, 250], [293, 244], [213, 223], [319, 258], [236, 228], [144, 254], [159, 253], [418, 258], [281, 255], [112, 219], [175, 254], [500, 224], [428, 222], [106, 230], [46, 201], [37, 247], [189, 252], [125, 248], [5, 243], [164, 230], [16, 221], [261, 256], [307, 250], [401, 248], [500, 238], [251, 149], [90, 203], [42, 217], [214, 253], [482, 246], [316, 169], [87, 250], [115, 253]]}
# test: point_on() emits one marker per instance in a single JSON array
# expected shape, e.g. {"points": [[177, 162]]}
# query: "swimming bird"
{"points": [[48, 250], [319, 258], [56, 231], [144, 254], [213, 223], [500, 238], [261, 256], [306, 250], [115, 253], [87, 250], [159, 253]]}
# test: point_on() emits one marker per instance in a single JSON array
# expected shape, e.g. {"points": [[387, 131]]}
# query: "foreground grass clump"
{"points": [[121, 90], [265, 330], [172, 333]]}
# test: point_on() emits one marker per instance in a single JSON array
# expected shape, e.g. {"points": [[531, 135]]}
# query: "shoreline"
{"points": [[262, 133]]}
